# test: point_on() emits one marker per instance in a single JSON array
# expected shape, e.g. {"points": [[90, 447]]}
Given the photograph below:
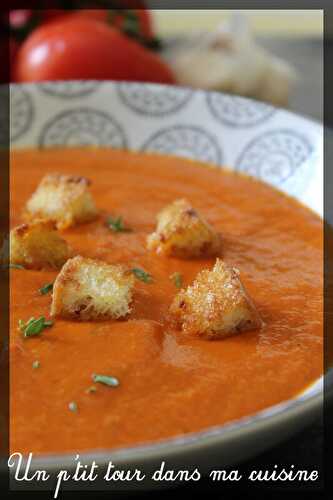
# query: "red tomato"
{"points": [[76, 48], [13, 48], [146, 22], [24, 21], [117, 18], [19, 17], [48, 15], [138, 7]]}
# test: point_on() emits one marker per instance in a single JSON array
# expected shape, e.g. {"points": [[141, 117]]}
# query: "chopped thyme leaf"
{"points": [[142, 275], [34, 326], [16, 266], [117, 225], [91, 389], [46, 288], [177, 278], [21, 324], [105, 379], [36, 364], [72, 406]]}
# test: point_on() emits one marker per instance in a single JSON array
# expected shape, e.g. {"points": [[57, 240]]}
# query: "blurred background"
{"points": [[278, 23], [294, 35], [275, 56]]}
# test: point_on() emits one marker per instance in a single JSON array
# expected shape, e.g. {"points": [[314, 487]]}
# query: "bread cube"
{"points": [[182, 232], [87, 289], [64, 199], [37, 246], [216, 305]]}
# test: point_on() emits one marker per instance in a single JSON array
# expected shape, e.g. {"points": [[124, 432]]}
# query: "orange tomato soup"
{"points": [[170, 384]]}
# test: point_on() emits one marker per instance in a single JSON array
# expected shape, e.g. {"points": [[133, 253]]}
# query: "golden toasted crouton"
{"points": [[216, 305], [38, 245], [64, 199], [182, 232], [87, 289]]}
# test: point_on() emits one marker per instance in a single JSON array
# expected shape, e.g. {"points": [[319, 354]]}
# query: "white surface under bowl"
{"points": [[276, 146]]}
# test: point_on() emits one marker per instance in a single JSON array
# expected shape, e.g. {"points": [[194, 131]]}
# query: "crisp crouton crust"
{"points": [[216, 305], [182, 232], [38, 245], [64, 199], [87, 289]]}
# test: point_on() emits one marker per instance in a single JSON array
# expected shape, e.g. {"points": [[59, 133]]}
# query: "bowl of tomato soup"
{"points": [[255, 173]]}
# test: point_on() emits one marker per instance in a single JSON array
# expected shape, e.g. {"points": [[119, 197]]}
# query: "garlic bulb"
{"points": [[231, 60]]}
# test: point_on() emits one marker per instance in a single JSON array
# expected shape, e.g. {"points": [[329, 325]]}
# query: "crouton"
{"points": [[64, 199], [38, 245], [216, 305], [87, 289], [182, 232]]}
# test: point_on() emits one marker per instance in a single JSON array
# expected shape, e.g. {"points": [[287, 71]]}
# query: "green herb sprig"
{"points": [[48, 287], [34, 326], [106, 380], [16, 266], [72, 406], [177, 278], [117, 225], [142, 275]]}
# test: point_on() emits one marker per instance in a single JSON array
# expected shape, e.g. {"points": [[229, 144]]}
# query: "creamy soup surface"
{"points": [[170, 384]]}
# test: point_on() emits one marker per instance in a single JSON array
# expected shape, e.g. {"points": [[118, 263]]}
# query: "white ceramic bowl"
{"points": [[274, 145]]}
